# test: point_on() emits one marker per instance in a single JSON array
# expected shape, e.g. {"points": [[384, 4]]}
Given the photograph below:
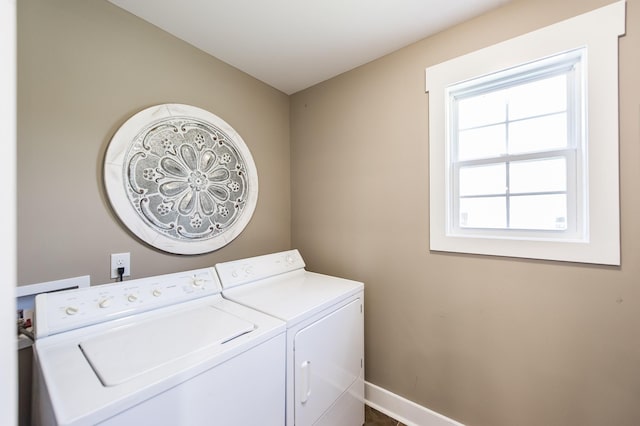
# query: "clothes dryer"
{"points": [[325, 333], [166, 350]]}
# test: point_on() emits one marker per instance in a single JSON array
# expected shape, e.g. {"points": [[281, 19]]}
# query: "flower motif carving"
{"points": [[186, 178]]}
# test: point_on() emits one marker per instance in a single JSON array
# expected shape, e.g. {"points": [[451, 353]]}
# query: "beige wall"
{"points": [[84, 67], [485, 340]]}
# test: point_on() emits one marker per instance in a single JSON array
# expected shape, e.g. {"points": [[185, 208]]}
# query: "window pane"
{"points": [[541, 212], [489, 108], [538, 176], [482, 142], [538, 97], [486, 212], [483, 180], [538, 134], [511, 148]]}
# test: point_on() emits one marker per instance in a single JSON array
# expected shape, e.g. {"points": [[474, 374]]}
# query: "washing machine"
{"points": [[325, 333], [165, 350]]}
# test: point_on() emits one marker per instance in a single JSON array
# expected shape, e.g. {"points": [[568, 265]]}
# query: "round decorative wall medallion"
{"points": [[181, 179]]}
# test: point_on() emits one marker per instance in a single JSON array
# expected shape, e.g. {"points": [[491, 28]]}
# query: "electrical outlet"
{"points": [[120, 260]]}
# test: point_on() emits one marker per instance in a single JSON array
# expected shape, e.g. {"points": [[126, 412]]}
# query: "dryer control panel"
{"points": [[244, 271], [66, 310]]}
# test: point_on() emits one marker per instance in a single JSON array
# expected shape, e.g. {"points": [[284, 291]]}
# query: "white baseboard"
{"points": [[402, 409]]}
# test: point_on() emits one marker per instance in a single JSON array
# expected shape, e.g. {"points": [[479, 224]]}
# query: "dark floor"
{"points": [[373, 417]]}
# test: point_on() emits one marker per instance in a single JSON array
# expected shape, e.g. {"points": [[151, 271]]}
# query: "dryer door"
{"points": [[328, 357]]}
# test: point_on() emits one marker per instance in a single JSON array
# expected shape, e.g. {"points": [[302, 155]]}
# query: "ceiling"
{"points": [[294, 44]]}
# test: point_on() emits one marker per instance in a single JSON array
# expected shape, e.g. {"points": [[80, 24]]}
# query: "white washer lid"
{"points": [[124, 353], [294, 296]]}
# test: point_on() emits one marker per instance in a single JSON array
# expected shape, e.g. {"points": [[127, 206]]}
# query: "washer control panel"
{"points": [[65, 310], [244, 271]]}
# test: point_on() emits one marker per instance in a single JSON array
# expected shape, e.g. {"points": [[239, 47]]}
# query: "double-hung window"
{"points": [[516, 147], [523, 144]]}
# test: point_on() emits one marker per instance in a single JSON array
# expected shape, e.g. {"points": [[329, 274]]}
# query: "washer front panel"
{"points": [[181, 179], [72, 393]]}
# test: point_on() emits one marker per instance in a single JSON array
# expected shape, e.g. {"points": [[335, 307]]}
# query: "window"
{"points": [[515, 140], [523, 144]]}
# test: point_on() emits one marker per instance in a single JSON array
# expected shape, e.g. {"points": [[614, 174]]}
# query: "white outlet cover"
{"points": [[118, 259]]}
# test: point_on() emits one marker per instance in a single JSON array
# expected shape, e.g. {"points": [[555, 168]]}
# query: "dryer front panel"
{"points": [[328, 359]]}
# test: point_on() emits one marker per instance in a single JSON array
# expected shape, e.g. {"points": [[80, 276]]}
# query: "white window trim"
{"points": [[598, 31]]}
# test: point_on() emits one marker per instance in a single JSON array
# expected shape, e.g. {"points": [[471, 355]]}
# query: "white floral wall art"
{"points": [[181, 179]]}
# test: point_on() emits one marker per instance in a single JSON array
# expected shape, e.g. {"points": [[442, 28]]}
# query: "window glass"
{"points": [[538, 134], [539, 97], [538, 212], [483, 180], [482, 142], [485, 212], [482, 110], [538, 176]]}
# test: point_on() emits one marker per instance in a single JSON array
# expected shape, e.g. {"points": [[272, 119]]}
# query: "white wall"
{"points": [[8, 413]]}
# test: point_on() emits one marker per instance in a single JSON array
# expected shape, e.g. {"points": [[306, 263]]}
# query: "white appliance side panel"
{"points": [[328, 360], [246, 390]]}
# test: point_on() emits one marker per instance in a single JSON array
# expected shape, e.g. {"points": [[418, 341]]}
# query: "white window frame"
{"points": [[599, 242], [567, 63]]}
